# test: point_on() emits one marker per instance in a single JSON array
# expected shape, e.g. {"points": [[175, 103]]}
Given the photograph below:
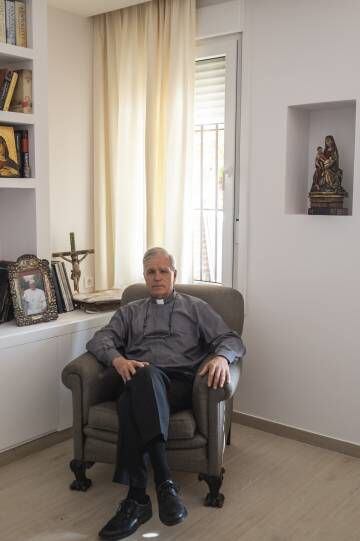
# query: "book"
{"points": [[5, 80], [18, 135], [59, 299], [2, 22], [56, 267], [10, 92], [63, 281], [22, 98], [22, 152], [99, 301], [20, 23], [68, 287], [25, 157], [10, 21]]}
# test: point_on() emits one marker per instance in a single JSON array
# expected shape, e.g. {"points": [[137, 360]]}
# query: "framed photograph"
{"points": [[9, 154], [32, 290]]}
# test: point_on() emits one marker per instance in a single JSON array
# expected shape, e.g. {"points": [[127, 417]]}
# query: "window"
{"points": [[214, 161]]}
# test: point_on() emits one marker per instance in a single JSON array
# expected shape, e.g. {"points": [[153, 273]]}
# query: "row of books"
{"points": [[16, 90], [6, 305], [13, 22], [62, 288], [22, 150]]}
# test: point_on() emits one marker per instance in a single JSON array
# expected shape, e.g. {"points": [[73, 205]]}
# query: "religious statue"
{"points": [[327, 194], [74, 260]]}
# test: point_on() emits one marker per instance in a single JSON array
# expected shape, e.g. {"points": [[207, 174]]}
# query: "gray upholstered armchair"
{"points": [[196, 437]]}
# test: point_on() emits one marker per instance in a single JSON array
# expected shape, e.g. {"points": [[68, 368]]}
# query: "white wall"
{"points": [[220, 18], [71, 207], [303, 294]]}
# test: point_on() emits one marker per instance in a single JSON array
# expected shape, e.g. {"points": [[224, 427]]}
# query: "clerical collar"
{"points": [[170, 298]]}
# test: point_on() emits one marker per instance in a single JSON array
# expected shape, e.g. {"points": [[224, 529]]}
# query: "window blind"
{"points": [[210, 91]]}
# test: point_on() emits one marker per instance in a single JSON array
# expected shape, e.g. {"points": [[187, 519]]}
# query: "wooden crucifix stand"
{"points": [[74, 260]]}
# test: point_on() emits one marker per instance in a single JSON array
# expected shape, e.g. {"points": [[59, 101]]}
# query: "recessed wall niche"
{"points": [[307, 127]]}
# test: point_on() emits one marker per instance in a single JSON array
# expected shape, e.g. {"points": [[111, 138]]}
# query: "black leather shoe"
{"points": [[129, 516], [171, 508]]}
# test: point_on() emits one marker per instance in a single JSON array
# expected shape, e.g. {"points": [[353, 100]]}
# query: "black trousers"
{"points": [[144, 406]]}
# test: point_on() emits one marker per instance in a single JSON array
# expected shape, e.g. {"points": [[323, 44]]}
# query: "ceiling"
{"points": [[87, 8]]}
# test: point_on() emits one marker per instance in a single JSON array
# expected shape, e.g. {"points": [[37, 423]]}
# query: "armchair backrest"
{"points": [[226, 301]]}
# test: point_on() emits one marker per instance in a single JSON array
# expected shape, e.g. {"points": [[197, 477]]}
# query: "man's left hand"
{"points": [[218, 372]]}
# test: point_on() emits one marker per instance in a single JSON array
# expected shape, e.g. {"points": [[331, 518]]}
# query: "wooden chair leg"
{"points": [[214, 498], [228, 439], [81, 482]]}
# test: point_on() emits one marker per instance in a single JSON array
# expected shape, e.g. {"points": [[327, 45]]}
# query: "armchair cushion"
{"points": [[104, 417]]}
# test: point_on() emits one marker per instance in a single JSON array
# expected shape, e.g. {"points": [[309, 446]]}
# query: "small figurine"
{"points": [[326, 194], [328, 175]]}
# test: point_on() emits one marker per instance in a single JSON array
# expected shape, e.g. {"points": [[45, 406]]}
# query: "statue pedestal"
{"points": [[327, 203]]}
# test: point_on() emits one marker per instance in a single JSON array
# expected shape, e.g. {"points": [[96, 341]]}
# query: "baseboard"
{"points": [[34, 446], [297, 434]]}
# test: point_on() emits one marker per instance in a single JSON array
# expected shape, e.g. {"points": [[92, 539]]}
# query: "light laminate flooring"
{"points": [[275, 490]]}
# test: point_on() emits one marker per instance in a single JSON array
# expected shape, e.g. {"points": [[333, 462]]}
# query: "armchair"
{"points": [[196, 437]]}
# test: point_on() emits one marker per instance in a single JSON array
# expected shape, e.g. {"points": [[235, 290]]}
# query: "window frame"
{"points": [[230, 47]]}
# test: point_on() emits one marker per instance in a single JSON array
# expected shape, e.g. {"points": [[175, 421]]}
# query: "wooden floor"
{"points": [[276, 490]]}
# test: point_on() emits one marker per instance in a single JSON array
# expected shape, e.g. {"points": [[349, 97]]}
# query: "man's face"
{"points": [[159, 276]]}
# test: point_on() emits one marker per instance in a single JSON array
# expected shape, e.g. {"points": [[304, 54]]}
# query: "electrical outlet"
{"points": [[89, 282]]}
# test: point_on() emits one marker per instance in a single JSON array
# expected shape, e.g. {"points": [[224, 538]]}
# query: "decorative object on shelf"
{"points": [[6, 305], [326, 194], [9, 166], [74, 260], [32, 290], [99, 301], [22, 97]]}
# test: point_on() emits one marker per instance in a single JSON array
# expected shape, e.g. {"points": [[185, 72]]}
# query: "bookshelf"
{"points": [[24, 202], [34, 355]]}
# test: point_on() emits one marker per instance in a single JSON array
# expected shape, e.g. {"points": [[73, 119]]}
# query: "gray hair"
{"points": [[159, 251]]}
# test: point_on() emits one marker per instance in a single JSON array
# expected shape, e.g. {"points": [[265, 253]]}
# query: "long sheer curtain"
{"points": [[143, 122]]}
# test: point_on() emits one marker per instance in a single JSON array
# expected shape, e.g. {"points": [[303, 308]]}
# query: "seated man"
{"points": [[153, 347]]}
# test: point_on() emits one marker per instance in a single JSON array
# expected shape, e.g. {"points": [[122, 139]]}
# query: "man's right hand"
{"points": [[127, 367]]}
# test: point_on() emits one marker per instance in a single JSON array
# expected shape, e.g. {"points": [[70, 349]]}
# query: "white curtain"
{"points": [[143, 130]]}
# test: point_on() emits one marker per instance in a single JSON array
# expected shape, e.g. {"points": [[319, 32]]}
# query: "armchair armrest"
{"points": [[204, 397], [85, 366], [90, 383], [211, 413]]}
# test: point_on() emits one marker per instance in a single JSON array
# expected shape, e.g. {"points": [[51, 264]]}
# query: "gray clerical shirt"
{"points": [[179, 333]]}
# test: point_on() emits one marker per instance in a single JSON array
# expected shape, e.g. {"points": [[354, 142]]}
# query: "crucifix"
{"points": [[75, 260]]}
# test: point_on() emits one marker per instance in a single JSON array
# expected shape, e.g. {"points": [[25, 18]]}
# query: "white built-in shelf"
{"points": [[18, 183], [24, 203], [307, 126], [8, 117], [11, 335], [13, 53]]}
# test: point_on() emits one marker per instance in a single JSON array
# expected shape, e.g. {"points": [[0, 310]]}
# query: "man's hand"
{"points": [[218, 372], [126, 367]]}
